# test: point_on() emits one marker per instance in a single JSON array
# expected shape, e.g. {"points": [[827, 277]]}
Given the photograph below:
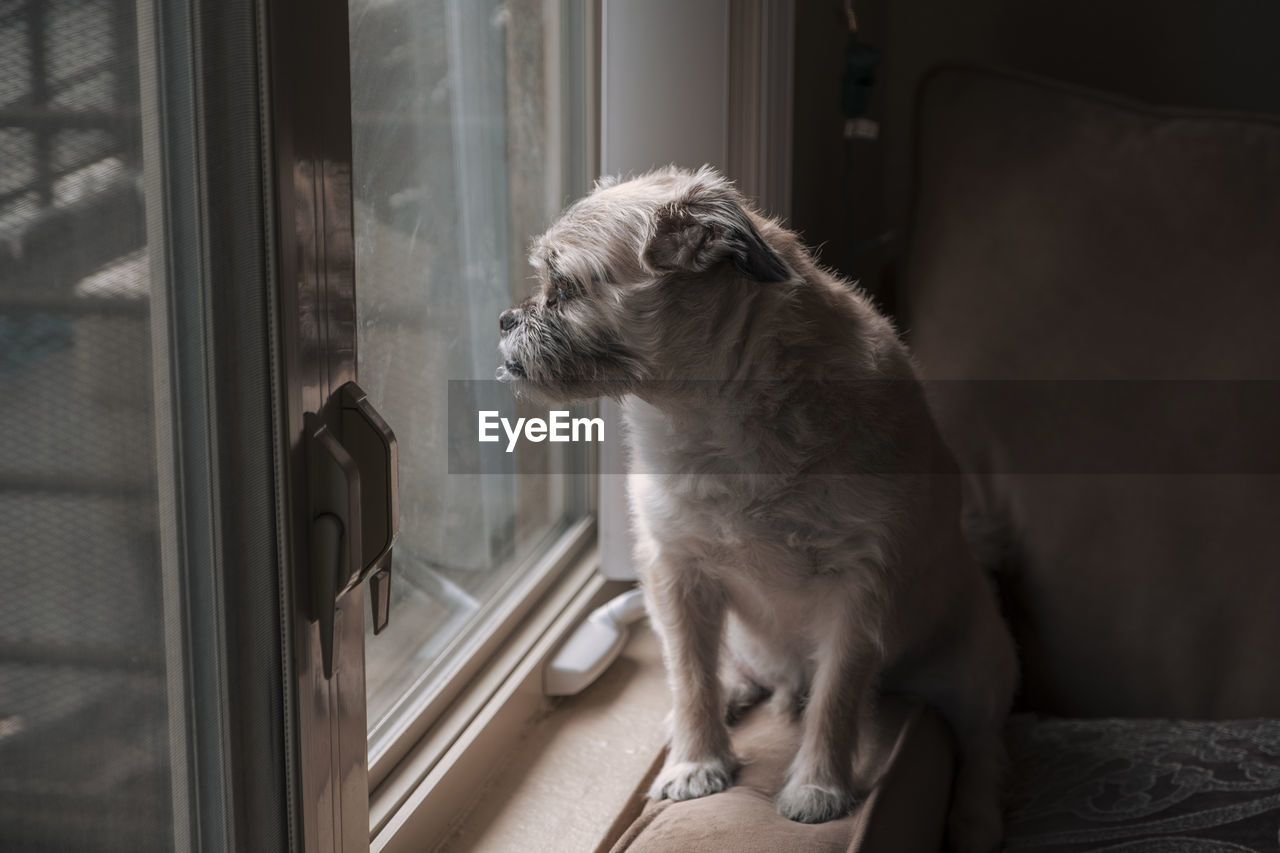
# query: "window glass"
{"points": [[468, 137], [88, 741]]}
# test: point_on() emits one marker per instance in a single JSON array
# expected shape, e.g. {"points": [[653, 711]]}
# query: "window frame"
{"points": [[307, 110], [419, 799], [472, 650]]}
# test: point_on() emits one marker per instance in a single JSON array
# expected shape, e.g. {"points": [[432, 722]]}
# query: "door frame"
{"points": [[309, 117]]}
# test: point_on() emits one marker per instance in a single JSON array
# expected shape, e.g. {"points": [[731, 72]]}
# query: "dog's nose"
{"points": [[508, 319]]}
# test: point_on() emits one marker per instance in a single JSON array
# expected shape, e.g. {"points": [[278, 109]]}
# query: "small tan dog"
{"points": [[797, 515]]}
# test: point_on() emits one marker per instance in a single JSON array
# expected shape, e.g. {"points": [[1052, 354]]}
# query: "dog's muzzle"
{"points": [[512, 368]]}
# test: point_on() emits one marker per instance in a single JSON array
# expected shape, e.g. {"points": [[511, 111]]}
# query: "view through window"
{"points": [[89, 734], [469, 136]]}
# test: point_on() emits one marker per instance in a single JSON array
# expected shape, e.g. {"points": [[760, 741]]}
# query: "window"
{"points": [[84, 750], [137, 500], [178, 315], [469, 134]]}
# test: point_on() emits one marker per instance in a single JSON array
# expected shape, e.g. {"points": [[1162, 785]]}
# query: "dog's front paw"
{"points": [[687, 780], [807, 802]]}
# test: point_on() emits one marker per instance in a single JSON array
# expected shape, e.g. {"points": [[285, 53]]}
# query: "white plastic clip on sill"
{"points": [[595, 644]]}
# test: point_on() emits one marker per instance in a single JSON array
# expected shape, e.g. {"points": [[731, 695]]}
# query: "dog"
{"points": [[796, 514]]}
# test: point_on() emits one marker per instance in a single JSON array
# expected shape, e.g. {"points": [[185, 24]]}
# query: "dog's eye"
{"points": [[560, 289]]}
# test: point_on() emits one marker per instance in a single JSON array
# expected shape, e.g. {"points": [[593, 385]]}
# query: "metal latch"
{"points": [[355, 511]]}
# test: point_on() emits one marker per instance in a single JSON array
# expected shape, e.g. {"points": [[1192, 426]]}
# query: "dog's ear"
{"points": [[702, 229]]}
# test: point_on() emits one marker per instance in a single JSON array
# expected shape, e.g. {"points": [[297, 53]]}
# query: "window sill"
{"points": [[576, 776], [517, 771]]}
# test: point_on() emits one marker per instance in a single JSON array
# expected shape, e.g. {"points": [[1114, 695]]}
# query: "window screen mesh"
{"points": [[84, 727]]}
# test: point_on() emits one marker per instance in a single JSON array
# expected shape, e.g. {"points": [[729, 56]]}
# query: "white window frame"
{"points": [[689, 83]]}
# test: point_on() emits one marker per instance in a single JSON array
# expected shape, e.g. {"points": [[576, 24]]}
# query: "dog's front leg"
{"points": [[688, 613], [820, 784]]}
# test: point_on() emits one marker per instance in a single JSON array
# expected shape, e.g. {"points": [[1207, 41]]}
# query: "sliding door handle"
{"points": [[355, 511], [333, 492], [371, 442]]}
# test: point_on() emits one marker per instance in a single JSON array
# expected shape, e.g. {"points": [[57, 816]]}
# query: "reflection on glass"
{"points": [[460, 133], [84, 719]]}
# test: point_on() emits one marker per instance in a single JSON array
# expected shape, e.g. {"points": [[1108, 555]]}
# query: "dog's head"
{"points": [[624, 278]]}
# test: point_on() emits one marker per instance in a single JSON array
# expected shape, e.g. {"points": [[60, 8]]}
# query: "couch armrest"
{"points": [[905, 812]]}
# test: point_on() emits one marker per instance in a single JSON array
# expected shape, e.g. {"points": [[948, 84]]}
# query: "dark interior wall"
{"points": [[1213, 55], [837, 184]]}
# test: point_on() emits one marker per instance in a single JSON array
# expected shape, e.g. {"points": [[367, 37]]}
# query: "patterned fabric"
{"points": [[1143, 786]]}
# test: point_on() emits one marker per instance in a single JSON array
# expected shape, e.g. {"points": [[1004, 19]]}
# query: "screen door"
{"points": [[175, 314]]}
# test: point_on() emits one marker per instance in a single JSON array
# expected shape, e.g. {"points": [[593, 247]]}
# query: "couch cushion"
{"points": [[1059, 236], [1143, 785], [905, 813]]}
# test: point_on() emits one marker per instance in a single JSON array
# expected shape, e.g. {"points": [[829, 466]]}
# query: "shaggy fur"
{"points": [[796, 514]]}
